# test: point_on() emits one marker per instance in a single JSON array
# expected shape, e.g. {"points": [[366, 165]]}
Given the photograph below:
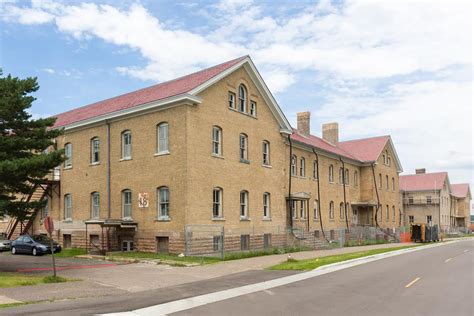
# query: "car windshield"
{"points": [[41, 239]]}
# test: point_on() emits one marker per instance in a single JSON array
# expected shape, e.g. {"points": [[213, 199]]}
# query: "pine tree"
{"points": [[24, 157]]}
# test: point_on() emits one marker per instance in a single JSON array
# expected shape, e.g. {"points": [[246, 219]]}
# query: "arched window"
{"points": [[331, 210], [341, 210], [266, 153], [384, 159], [266, 205], [302, 167], [393, 213], [346, 177], [341, 175], [126, 144], [68, 155], [315, 210], [386, 183], [242, 98], [293, 165], [217, 203], [243, 147], [244, 201], [388, 214], [95, 205], [331, 174], [217, 140], [162, 145], [127, 204], [163, 203], [68, 207], [380, 180], [315, 169], [95, 150], [356, 179], [393, 184]]}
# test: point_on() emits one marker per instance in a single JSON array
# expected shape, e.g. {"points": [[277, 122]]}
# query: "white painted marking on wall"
{"points": [[200, 300], [412, 282]]}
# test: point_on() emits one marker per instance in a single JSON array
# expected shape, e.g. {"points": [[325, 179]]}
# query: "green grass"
{"points": [[258, 253], [355, 243], [12, 279], [70, 252], [14, 304], [310, 264]]}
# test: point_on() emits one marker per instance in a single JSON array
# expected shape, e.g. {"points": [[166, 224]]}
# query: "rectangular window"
{"points": [[253, 108], [315, 210], [95, 144], [243, 147], [388, 214], [267, 241], [217, 203], [164, 203], [428, 219], [244, 242], [95, 205], [293, 165], [316, 234], [163, 146], [428, 199], [302, 167], [231, 100], [216, 141], [266, 153], [266, 205], [244, 204], [315, 170], [68, 207], [127, 204], [411, 219], [45, 211], [126, 145], [302, 209], [293, 208], [67, 241], [68, 155], [217, 243], [410, 200]]}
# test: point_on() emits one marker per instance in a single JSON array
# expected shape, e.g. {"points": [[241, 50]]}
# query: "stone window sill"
{"points": [[125, 159], [267, 166], [162, 153], [163, 219], [218, 219], [245, 161], [245, 219], [217, 156]]}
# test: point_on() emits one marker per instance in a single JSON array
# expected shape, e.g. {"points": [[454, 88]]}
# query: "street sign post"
{"points": [[49, 226]]}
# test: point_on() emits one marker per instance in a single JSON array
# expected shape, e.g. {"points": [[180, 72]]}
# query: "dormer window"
{"points": [[242, 98]]}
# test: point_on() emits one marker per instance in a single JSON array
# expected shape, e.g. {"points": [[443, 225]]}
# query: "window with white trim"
{"points": [[68, 207], [68, 155], [315, 169], [242, 98], [331, 210], [411, 219], [243, 147], [331, 174], [302, 209], [393, 213], [393, 184], [244, 200], [163, 203], [231, 100], [95, 205], [356, 179], [95, 150], [162, 131], [293, 208], [380, 181], [315, 210], [45, 210], [341, 211], [346, 177], [293, 165], [266, 153], [387, 216], [253, 108], [217, 140], [127, 204], [341, 175], [386, 183], [126, 144], [266, 205], [217, 203], [302, 167]]}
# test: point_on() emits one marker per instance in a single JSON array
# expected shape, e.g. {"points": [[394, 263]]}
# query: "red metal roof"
{"points": [[156, 92], [363, 150], [423, 181], [460, 190]]}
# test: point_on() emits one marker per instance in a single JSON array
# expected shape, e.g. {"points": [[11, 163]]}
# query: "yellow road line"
{"points": [[412, 282], [449, 259]]}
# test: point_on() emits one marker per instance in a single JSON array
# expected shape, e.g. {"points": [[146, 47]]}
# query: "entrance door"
{"points": [[127, 245], [162, 244]]}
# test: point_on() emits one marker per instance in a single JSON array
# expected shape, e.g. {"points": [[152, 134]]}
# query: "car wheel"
{"points": [[13, 251], [34, 252]]}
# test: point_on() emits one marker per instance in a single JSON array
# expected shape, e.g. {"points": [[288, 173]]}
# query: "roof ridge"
{"points": [[365, 138]]}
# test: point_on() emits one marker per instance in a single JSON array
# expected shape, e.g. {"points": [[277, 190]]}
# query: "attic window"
{"points": [[253, 108]]}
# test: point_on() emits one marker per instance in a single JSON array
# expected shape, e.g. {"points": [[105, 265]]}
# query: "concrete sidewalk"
{"points": [[142, 276]]}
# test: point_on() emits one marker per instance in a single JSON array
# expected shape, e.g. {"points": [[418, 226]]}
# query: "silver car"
{"points": [[5, 244]]}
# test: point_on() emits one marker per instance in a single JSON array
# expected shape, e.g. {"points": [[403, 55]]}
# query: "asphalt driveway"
{"points": [[31, 264]]}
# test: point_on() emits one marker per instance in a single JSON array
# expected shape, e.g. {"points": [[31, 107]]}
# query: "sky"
{"points": [[402, 68]]}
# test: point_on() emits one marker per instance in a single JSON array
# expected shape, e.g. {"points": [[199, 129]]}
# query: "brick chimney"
{"points": [[331, 133], [420, 171], [303, 123]]}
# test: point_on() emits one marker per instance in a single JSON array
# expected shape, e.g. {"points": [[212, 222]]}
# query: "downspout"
{"points": [[109, 211], [319, 196], [344, 190], [290, 204], [439, 203], [378, 198]]}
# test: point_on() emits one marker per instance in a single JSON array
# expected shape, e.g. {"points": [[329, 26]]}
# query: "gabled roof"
{"points": [[460, 190], [423, 181], [365, 150], [170, 92]]}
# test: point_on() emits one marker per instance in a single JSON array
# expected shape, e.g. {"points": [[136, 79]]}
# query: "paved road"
{"points": [[437, 281], [445, 287]]}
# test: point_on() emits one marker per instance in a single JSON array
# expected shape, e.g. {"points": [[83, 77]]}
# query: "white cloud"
{"points": [[49, 70]]}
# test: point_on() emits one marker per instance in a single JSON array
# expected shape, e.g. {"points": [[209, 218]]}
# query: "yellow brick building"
{"points": [[209, 155]]}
